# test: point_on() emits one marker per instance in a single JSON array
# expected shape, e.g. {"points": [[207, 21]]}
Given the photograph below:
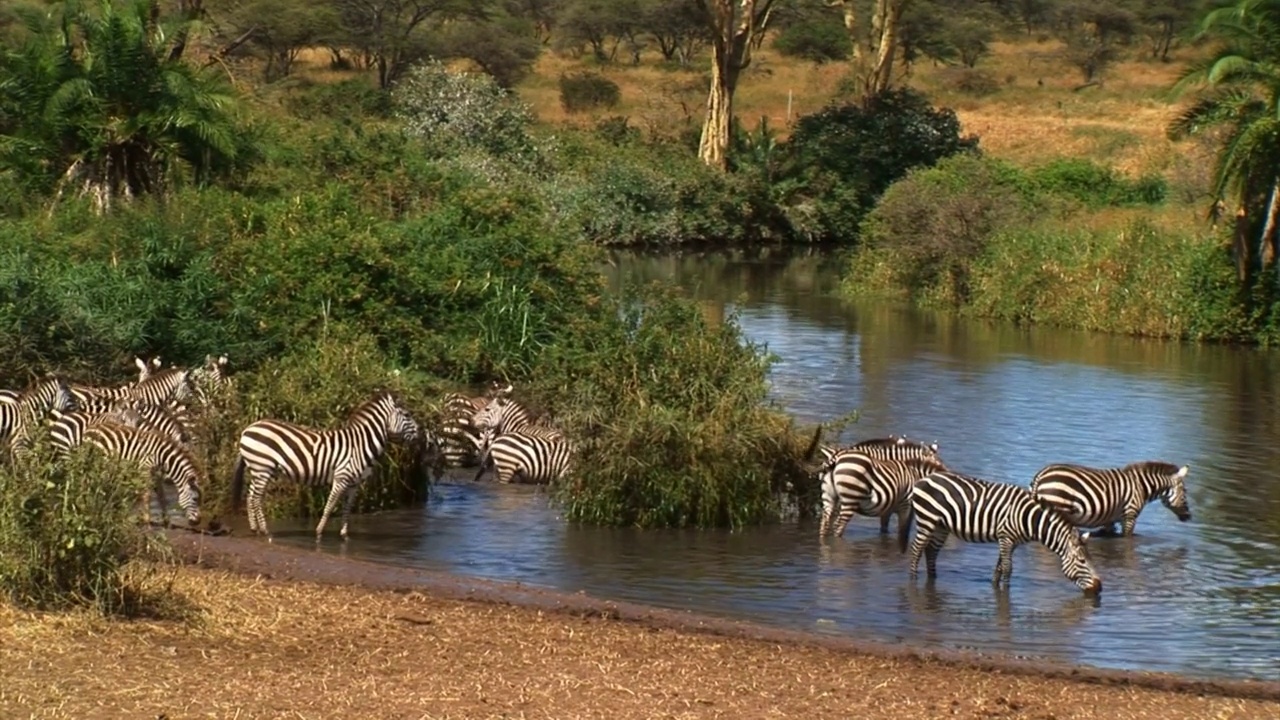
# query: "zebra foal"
{"points": [[1101, 497], [980, 511], [157, 455], [344, 456]]}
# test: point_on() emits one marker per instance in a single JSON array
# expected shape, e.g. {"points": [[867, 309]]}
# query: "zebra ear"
{"points": [[1182, 472], [137, 361], [156, 363], [222, 360]]}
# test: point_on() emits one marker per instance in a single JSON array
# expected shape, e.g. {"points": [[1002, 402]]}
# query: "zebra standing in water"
{"points": [[1098, 498], [19, 413], [980, 511], [157, 455], [537, 454], [875, 487], [459, 438], [894, 447], [344, 457]]}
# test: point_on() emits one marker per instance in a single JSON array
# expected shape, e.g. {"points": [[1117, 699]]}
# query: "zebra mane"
{"points": [[1153, 466], [378, 398]]}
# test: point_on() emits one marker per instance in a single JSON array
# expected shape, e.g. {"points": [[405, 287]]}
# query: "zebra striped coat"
{"points": [[158, 455], [503, 415], [1099, 498], [894, 447], [459, 437], [343, 457], [980, 511], [534, 454], [170, 384], [875, 487], [20, 412]]}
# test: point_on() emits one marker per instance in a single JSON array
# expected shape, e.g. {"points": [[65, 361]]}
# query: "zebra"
{"points": [[145, 369], [67, 429], [502, 414], [344, 456], [210, 378], [459, 438], [540, 456], [163, 458], [866, 485], [894, 447], [159, 388], [1099, 498], [20, 411], [981, 511]]}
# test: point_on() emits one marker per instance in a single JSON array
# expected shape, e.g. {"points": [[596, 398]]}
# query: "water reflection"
{"points": [[1200, 598]]}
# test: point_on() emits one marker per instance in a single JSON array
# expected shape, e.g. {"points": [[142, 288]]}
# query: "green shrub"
{"points": [[583, 91], [70, 533], [821, 40], [1097, 186], [672, 422]]}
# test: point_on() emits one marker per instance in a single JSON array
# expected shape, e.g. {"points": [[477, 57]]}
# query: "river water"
{"points": [[1200, 598]]}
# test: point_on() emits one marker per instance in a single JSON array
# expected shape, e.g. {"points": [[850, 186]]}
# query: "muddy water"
{"points": [[1200, 598]]}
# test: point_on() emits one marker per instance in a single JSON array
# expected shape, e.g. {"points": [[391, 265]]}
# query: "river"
{"points": [[1200, 598]]}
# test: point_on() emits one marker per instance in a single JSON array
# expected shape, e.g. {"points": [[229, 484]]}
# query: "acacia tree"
{"points": [[875, 41], [1243, 82], [734, 25], [99, 101], [392, 33]]}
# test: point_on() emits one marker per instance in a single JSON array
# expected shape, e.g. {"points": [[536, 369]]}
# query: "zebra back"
{"points": [[155, 453], [535, 458], [982, 511], [66, 430], [870, 486]]}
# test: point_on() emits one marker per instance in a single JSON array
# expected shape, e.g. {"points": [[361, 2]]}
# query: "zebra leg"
{"points": [[350, 499], [846, 515], [158, 489], [1004, 566], [884, 521], [257, 516], [1130, 520], [923, 533], [931, 552]]}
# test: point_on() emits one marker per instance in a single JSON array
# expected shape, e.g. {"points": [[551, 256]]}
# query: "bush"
{"points": [[346, 99], [931, 225], [852, 152], [1097, 186], [673, 422], [819, 41], [70, 532], [583, 91]]}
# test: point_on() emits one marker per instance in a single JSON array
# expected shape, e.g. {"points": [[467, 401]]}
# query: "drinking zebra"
{"points": [[535, 454], [157, 455], [894, 447], [459, 438], [980, 511], [1098, 498], [19, 412], [866, 485], [344, 456]]}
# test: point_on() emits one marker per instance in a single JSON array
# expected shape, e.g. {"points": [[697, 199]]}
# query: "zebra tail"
{"points": [[813, 446], [904, 528], [237, 486]]}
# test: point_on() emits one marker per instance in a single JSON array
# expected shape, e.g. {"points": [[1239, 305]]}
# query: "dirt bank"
{"points": [[283, 632]]}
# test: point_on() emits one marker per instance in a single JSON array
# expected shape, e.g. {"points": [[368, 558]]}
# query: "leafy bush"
{"points": [[1097, 186], [844, 156], [584, 91], [353, 98], [672, 423], [821, 40], [931, 225], [70, 533]]}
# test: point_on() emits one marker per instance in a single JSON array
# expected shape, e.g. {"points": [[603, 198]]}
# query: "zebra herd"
{"points": [[146, 422], [882, 477]]}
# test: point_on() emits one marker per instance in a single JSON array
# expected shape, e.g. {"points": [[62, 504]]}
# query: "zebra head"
{"points": [[491, 414], [186, 479], [1077, 566], [400, 424], [1175, 497], [50, 393]]}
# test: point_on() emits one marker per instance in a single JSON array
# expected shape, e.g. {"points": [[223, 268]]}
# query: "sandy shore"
{"points": [[281, 632]]}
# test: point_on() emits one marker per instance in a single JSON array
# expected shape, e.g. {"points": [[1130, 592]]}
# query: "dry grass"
{"points": [[1038, 111], [264, 648]]}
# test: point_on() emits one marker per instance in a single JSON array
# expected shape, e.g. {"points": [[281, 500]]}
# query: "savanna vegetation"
{"points": [[344, 196]]}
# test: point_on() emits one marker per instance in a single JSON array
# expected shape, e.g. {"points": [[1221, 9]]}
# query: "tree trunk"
{"points": [[1241, 246], [1267, 241], [733, 25], [873, 57]]}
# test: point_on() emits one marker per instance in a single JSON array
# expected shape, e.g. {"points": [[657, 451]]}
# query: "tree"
{"points": [[875, 46], [279, 29], [679, 27], [1242, 98], [734, 25], [819, 40], [1163, 21], [101, 101], [392, 33], [505, 47], [1093, 32]]}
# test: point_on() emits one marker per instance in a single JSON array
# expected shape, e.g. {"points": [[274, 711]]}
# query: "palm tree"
{"points": [[99, 102], [1242, 98]]}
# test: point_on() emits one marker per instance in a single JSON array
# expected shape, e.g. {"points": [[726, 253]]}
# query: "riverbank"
{"points": [[281, 631]]}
